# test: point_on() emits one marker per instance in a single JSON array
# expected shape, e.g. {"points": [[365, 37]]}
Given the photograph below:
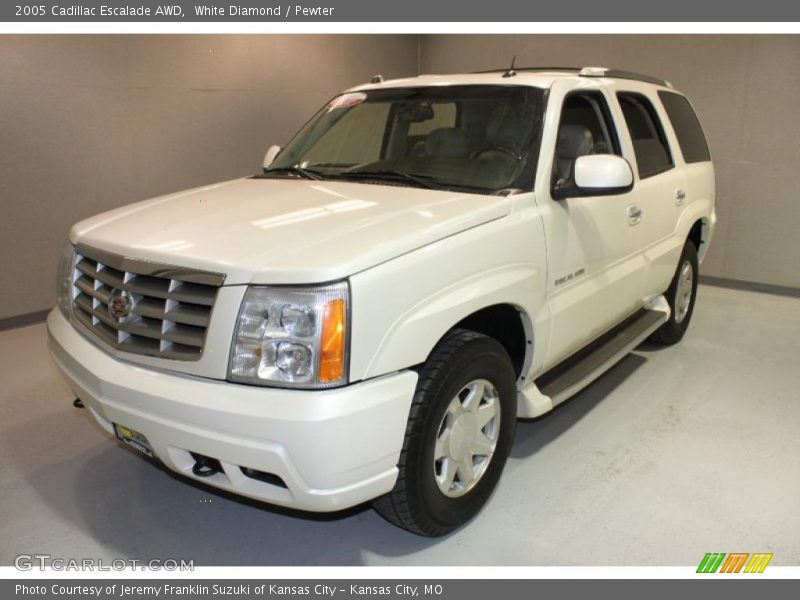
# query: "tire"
{"points": [[432, 497], [681, 297]]}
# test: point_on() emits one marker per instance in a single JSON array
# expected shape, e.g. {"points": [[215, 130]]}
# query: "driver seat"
{"points": [[573, 141]]}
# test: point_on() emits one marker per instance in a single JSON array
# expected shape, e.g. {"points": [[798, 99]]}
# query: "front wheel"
{"points": [[681, 296], [458, 437]]}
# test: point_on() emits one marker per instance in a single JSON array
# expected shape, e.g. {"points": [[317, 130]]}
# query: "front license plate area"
{"points": [[134, 439]]}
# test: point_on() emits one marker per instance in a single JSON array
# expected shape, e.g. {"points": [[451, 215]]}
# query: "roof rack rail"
{"points": [[621, 74], [504, 69], [589, 72]]}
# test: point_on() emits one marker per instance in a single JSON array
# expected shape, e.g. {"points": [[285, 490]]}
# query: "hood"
{"points": [[286, 230]]}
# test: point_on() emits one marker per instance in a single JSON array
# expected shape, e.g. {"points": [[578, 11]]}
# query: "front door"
{"points": [[593, 242]]}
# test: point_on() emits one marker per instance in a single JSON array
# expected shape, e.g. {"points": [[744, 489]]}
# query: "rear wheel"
{"points": [[681, 296], [458, 436]]}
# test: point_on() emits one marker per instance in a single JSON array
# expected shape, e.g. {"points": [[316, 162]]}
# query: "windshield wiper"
{"points": [[305, 173], [425, 181]]}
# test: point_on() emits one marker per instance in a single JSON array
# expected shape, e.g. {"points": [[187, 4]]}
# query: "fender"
{"points": [[700, 182], [668, 250], [402, 308], [699, 210]]}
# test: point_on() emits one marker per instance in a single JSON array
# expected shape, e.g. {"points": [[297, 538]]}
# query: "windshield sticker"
{"points": [[346, 100]]}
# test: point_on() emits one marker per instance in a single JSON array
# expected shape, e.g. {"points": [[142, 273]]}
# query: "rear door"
{"points": [[661, 182], [691, 141]]}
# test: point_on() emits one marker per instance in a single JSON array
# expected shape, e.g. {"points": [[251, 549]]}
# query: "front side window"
{"points": [[477, 138], [649, 142], [585, 127]]}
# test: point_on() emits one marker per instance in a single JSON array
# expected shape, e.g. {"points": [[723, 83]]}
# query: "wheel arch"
{"points": [[696, 234], [505, 302], [700, 235], [509, 325]]}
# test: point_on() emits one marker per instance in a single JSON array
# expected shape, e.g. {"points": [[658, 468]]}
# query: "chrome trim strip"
{"points": [[142, 267]]}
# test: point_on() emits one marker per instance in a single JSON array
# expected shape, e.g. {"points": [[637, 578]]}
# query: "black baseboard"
{"points": [[751, 286], [23, 320]]}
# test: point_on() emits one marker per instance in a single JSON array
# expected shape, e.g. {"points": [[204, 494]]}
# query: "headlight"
{"points": [[64, 289], [292, 337]]}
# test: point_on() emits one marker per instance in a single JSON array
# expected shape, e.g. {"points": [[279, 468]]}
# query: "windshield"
{"points": [[474, 138]]}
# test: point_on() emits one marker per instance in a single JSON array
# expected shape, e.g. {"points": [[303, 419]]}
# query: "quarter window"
{"points": [[686, 126], [647, 134]]}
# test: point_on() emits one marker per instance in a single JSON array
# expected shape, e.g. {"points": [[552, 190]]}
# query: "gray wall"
{"points": [[89, 123], [746, 90]]}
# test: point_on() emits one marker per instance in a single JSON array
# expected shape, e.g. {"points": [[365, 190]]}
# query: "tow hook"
{"points": [[77, 403], [205, 466]]}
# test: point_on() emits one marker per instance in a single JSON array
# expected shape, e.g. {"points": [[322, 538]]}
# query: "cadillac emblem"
{"points": [[120, 304]]}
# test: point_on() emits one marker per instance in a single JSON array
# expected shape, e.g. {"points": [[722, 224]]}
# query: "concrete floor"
{"points": [[674, 453]]}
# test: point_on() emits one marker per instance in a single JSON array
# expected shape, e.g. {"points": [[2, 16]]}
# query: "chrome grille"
{"points": [[168, 309]]}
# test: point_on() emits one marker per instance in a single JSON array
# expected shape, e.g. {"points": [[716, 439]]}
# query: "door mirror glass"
{"points": [[269, 157], [599, 174]]}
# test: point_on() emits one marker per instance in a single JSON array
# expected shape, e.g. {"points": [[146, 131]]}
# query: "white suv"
{"points": [[428, 260]]}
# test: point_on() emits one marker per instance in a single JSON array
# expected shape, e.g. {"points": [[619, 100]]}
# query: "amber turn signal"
{"points": [[332, 346]]}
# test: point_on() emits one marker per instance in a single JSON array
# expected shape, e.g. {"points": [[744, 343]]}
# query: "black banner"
{"points": [[398, 589], [42, 11]]}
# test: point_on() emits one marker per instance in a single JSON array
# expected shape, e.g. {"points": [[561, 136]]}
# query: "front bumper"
{"points": [[332, 448]]}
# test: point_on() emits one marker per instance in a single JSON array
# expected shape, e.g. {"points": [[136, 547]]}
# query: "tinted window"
{"points": [[647, 134], [687, 127]]}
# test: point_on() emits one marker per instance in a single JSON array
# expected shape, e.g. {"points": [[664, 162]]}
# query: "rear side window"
{"points": [[647, 134], [687, 127]]}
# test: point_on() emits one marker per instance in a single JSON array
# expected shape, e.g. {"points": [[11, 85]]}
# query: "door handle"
{"points": [[680, 197], [634, 215]]}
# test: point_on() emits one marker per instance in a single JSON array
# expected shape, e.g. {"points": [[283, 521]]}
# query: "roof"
{"points": [[540, 77], [542, 80]]}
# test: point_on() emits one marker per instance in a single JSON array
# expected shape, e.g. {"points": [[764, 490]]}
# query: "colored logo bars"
{"points": [[734, 562]]}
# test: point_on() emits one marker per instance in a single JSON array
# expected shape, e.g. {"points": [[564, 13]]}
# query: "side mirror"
{"points": [[599, 174], [269, 157]]}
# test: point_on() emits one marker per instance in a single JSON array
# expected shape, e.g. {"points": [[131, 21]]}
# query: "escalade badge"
{"points": [[120, 305]]}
